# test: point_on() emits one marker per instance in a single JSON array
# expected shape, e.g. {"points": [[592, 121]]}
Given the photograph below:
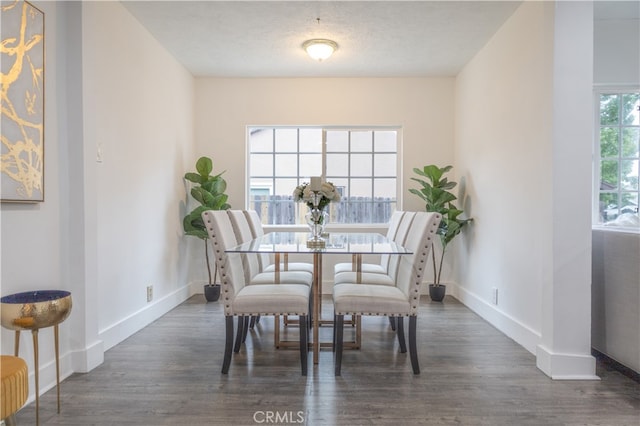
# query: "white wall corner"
{"points": [[196, 287], [511, 327], [89, 358], [77, 361], [565, 366]]}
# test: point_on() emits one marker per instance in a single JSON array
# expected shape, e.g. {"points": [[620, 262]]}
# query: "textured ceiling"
{"points": [[375, 38]]}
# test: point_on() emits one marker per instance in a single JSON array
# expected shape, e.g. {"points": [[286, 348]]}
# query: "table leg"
{"points": [[55, 334], [276, 319], [36, 370], [317, 303], [277, 269], [276, 331], [357, 319]]}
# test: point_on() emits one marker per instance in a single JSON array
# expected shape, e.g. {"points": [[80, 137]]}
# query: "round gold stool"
{"points": [[15, 387], [33, 310]]}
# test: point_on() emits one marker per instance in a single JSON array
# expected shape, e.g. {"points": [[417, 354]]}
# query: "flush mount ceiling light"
{"points": [[320, 48]]}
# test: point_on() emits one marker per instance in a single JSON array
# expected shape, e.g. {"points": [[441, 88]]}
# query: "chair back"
{"points": [[254, 222], [401, 234], [220, 231], [394, 222], [411, 268], [257, 231], [403, 227], [242, 229], [241, 226]]}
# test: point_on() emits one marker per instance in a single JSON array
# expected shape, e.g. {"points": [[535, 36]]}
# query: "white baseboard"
{"points": [[135, 322], [566, 366], [523, 335], [89, 358], [47, 375]]}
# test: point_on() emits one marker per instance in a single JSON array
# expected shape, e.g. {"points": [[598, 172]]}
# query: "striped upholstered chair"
{"points": [[383, 266], [266, 263], [398, 300], [243, 301]]}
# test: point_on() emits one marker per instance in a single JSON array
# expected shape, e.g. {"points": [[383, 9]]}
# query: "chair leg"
{"points": [[239, 332], [304, 343], [245, 329], [339, 329], [333, 335], [413, 349], [400, 332], [228, 344], [254, 320], [392, 323]]}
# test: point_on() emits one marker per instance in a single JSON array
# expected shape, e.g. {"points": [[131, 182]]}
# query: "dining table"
{"points": [[284, 244]]}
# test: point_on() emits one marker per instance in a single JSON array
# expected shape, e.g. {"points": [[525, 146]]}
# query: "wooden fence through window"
{"points": [[281, 210]]}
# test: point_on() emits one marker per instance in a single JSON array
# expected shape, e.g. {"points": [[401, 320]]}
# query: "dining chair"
{"points": [[254, 273], [388, 275], [399, 300], [242, 300], [266, 262], [383, 266]]}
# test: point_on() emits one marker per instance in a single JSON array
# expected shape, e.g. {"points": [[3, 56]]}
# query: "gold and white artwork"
{"points": [[22, 90]]}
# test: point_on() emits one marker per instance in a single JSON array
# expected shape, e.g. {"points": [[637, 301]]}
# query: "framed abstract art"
{"points": [[22, 91]]}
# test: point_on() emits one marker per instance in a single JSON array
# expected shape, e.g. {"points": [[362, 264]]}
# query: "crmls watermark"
{"points": [[278, 417]]}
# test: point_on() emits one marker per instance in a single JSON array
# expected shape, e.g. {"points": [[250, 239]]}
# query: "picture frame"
{"points": [[22, 63]]}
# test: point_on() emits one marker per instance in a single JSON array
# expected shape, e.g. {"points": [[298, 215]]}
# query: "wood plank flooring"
{"points": [[169, 374]]}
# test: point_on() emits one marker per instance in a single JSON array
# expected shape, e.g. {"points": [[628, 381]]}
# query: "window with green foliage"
{"points": [[618, 149]]}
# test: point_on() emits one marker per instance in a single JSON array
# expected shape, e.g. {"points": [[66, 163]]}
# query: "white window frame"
{"points": [[359, 226], [598, 91]]}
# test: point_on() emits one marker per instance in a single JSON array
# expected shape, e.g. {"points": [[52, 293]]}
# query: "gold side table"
{"points": [[33, 310]]}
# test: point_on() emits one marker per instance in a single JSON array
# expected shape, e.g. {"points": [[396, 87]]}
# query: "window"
{"points": [[618, 146], [361, 163]]}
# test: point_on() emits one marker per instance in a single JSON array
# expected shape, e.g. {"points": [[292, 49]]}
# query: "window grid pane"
{"points": [[360, 163], [619, 155]]}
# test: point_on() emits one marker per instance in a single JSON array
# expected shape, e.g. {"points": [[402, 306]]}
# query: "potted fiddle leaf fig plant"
{"points": [[435, 191], [209, 192]]}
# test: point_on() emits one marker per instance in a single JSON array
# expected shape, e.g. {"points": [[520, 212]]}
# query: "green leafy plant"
{"points": [[209, 191], [435, 191]]}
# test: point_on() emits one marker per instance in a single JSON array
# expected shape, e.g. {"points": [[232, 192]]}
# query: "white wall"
{"points": [[423, 107], [138, 104], [617, 51], [520, 149], [503, 149], [105, 230], [31, 239]]}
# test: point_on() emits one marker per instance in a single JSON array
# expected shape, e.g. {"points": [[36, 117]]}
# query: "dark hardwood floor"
{"points": [[169, 374]]}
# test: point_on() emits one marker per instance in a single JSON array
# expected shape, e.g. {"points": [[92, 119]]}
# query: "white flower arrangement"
{"points": [[326, 195]]}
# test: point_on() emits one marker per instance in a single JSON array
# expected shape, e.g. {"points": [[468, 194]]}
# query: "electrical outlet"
{"points": [[494, 296], [149, 293]]}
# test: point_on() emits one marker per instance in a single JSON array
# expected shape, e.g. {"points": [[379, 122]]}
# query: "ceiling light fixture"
{"points": [[320, 48]]}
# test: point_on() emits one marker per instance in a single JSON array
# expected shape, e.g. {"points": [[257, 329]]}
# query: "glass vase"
{"points": [[317, 220]]}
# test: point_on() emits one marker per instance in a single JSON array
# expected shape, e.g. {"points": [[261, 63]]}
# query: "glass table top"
{"points": [[335, 243]]}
